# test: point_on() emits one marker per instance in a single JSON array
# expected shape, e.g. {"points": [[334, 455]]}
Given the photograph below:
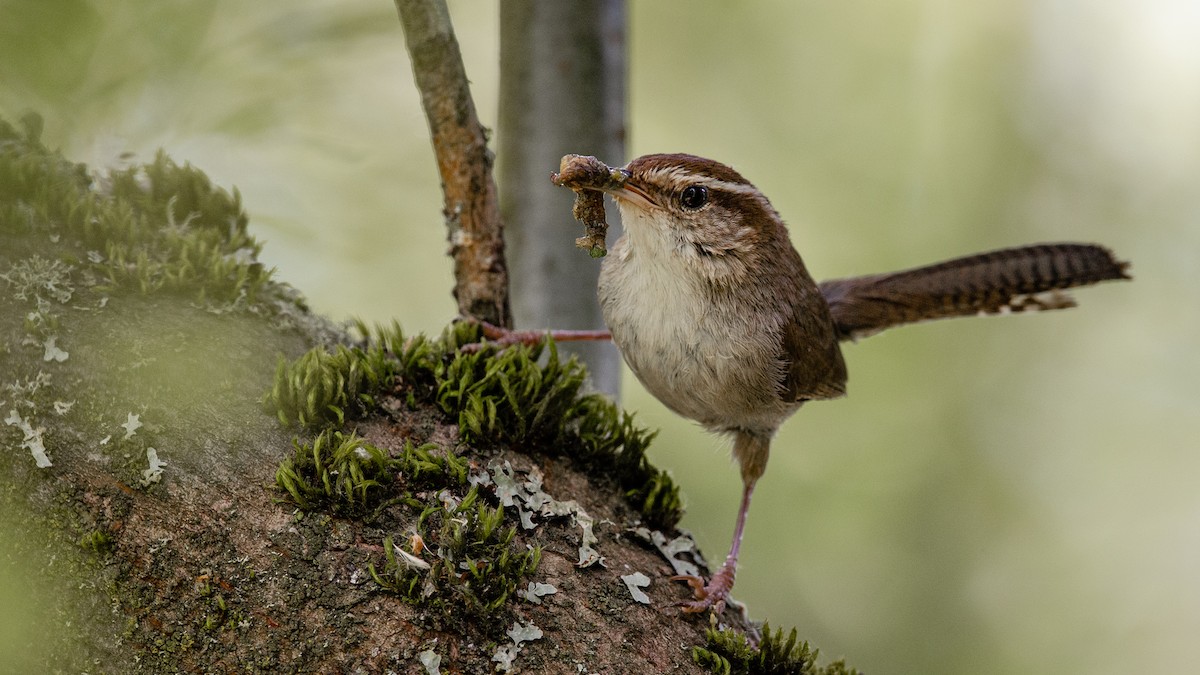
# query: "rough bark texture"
{"points": [[464, 162], [562, 90], [135, 318]]}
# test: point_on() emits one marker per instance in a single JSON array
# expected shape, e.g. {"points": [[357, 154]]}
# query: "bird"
{"points": [[715, 313]]}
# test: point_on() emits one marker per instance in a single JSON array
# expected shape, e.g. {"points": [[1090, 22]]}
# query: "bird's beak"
{"points": [[627, 189]]}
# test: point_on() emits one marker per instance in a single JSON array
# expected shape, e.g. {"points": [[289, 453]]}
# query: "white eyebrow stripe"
{"points": [[677, 175], [738, 188]]}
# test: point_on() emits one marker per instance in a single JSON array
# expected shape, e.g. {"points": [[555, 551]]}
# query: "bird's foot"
{"points": [[712, 595], [499, 336]]}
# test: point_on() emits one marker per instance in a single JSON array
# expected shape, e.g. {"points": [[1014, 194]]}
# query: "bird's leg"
{"points": [[717, 590], [504, 337], [751, 450]]}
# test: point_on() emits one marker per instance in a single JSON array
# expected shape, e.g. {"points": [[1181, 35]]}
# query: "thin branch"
{"points": [[460, 144]]}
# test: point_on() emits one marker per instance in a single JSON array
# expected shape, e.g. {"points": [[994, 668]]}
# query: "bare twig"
{"points": [[464, 162]]}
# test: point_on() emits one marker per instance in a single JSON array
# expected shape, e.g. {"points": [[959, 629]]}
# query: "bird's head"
{"points": [[694, 209]]}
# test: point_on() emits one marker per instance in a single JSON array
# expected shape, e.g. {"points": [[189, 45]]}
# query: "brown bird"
{"points": [[716, 315]]}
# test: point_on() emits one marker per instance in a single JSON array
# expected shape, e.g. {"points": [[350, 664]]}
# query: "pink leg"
{"points": [[504, 337], [717, 591]]}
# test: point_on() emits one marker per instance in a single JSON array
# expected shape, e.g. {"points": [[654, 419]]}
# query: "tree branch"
{"points": [[460, 144]]}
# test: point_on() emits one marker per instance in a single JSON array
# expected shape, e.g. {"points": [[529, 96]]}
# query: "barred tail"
{"points": [[1019, 279]]}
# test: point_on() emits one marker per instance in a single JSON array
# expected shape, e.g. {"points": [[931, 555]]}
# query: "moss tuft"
{"points": [[431, 467], [522, 396], [477, 569], [728, 652], [527, 396], [97, 542], [509, 398], [152, 227], [338, 471], [323, 388]]}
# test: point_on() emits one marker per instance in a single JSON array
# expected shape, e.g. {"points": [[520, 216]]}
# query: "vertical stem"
{"points": [[562, 90], [460, 144]]}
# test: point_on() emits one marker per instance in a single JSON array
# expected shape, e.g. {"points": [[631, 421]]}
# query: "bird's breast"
{"points": [[699, 357]]}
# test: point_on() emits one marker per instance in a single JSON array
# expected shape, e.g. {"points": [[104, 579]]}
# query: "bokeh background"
{"points": [[995, 496]]}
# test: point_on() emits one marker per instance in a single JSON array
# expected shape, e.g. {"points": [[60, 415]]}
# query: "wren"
{"points": [[714, 312]]}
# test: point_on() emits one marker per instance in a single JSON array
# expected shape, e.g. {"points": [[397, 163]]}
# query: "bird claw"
{"points": [[501, 337], [708, 596]]}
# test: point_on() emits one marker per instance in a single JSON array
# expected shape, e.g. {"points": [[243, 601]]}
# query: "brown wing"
{"points": [[809, 346]]}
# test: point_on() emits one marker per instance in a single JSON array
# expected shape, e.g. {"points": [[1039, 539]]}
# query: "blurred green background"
{"points": [[995, 496]]}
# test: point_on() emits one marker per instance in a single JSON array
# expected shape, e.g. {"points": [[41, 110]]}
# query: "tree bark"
{"points": [[476, 232], [562, 90]]}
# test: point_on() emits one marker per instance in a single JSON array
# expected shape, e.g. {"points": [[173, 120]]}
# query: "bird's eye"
{"points": [[693, 197]]}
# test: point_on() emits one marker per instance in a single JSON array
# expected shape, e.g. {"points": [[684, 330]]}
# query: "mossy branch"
{"points": [[149, 279], [513, 398]]}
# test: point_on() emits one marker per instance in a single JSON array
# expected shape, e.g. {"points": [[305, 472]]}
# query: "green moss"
{"points": [[98, 542], [477, 569], [339, 471], [527, 397], [431, 467], [523, 396], [326, 387], [508, 398], [344, 474], [322, 388], [610, 442], [152, 227], [728, 652]]}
